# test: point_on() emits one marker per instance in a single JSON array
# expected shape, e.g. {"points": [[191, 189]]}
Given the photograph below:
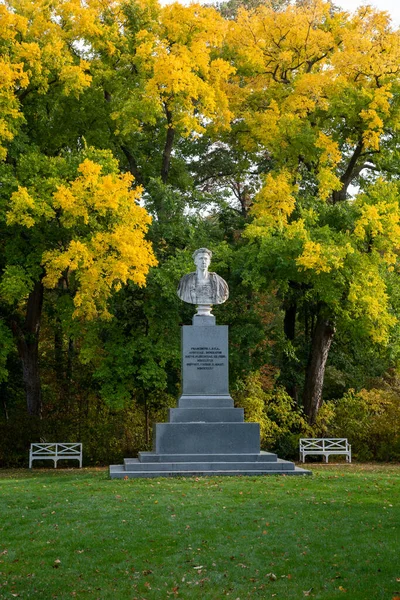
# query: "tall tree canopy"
{"points": [[317, 91], [130, 133]]}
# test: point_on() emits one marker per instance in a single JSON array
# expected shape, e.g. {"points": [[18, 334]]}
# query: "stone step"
{"points": [[279, 465], [153, 457], [206, 438], [206, 415], [206, 401], [119, 472]]}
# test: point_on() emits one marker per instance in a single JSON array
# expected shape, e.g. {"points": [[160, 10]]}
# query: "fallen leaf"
{"points": [[272, 576]]}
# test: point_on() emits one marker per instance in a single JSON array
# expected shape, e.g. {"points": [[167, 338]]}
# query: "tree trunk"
{"points": [[70, 358], [147, 421], [133, 166], [320, 344], [166, 157], [58, 352], [289, 322], [350, 173], [3, 395], [289, 328], [27, 337]]}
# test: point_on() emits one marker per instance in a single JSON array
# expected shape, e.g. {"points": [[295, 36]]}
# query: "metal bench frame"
{"points": [[55, 452], [325, 447]]}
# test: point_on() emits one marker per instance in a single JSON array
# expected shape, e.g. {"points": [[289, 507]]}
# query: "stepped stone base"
{"points": [[207, 440], [172, 465], [205, 434]]}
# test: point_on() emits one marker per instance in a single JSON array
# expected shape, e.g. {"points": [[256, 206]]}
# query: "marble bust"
{"points": [[203, 287]]}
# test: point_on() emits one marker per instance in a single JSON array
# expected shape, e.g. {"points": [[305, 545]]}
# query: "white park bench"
{"points": [[325, 447], [55, 452]]}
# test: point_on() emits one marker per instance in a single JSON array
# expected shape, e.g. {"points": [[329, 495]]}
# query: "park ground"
{"points": [[72, 533]]}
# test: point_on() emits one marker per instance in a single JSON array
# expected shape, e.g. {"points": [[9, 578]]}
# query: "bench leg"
{"points": [[327, 458]]}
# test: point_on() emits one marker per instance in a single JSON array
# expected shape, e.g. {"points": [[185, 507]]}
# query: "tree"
{"points": [[257, 122], [317, 90], [83, 236]]}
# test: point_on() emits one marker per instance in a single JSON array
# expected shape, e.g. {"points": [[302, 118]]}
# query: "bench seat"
{"points": [[55, 452], [325, 447]]}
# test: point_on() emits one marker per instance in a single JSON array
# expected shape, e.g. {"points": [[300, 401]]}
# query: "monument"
{"points": [[205, 434]]}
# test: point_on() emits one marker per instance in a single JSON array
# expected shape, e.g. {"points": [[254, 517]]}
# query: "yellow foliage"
{"points": [[313, 258], [280, 40], [102, 260], [22, 207], [37, 51], [74, 78], [368, 298], [317, 66], [331, 154], [180, 72], [379, 220], [323, 257], [328, 181], [275, 202], [296, 230], [12, 76]]}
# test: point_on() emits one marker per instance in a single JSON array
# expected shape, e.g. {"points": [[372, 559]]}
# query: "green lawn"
{"points": [[77, 534]]}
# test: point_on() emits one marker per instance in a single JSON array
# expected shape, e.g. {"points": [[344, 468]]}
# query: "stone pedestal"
{"points": [[205, 434]]}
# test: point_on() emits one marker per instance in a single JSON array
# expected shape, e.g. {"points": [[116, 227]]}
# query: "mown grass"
{"points": [[77, 534]]}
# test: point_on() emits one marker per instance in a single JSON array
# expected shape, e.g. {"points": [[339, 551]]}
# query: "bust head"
{"points": [[202, 258], [202, 287]]}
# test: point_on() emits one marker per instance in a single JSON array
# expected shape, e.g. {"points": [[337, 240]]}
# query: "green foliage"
{"points": [[281, 421], [245, 142], [370, 420], [15, 284], [108, 432], [6, 344]]}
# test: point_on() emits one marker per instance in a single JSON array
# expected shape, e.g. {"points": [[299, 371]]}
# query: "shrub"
{"points": [[281, 421], [370, 419]]}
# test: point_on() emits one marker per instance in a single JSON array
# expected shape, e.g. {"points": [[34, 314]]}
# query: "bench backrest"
{"points": [[323, 444], [56, 448]]}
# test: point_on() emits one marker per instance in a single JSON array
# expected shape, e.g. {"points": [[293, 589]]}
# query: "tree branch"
{"points": [[350, 173]]}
